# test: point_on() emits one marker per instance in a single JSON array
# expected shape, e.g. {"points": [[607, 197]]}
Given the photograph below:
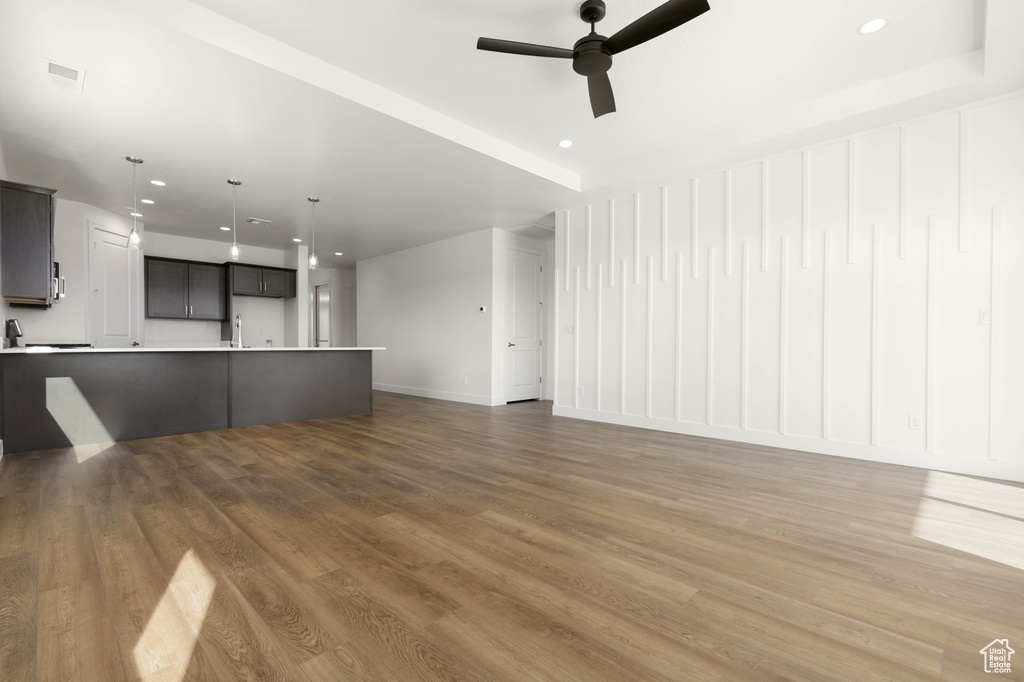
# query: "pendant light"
{"points": [[312, 254], [234, 226], [134, 237]]}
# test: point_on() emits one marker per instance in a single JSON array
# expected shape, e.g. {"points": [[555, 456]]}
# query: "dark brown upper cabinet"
{"points": [[185, 290], [252, 280], [26, 245]]}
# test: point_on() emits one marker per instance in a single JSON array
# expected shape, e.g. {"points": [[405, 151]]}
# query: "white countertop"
{"points": [[140, 349]]}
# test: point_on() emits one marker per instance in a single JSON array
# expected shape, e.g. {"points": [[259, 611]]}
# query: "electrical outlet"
{"points": [[483, 309], [914, 422], [465, 381], [984, 316], [570, 329], [579, 391], [159, 331]]}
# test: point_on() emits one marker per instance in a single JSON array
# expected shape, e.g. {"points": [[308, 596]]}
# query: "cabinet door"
{"points": [[166, 288], [206, 291], [27, 239], [279, 283], [246, 280]]}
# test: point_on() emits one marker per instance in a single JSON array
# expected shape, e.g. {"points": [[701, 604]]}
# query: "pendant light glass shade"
{"points": [[235, 253], [313, 262], [134, 237]]}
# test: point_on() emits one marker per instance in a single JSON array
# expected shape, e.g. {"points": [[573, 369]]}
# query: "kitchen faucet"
{"points": [[238, 326]]}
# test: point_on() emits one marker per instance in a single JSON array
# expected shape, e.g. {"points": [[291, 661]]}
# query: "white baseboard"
{"points": [[972, 466], [439, 395]]}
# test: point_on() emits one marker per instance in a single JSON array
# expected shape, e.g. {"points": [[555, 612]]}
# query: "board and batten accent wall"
{"points": [[863, 298]]}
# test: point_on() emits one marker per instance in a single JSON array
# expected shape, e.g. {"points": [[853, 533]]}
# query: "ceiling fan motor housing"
{"points": [[590, 57]]}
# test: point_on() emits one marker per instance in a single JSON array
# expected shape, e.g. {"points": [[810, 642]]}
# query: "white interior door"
{"points": [[115, 287], [523, 315]]}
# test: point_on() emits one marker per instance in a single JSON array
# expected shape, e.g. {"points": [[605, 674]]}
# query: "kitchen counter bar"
{"points": [[55, 398], [49, 349]]}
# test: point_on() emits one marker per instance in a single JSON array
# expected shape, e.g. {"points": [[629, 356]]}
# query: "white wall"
{"points": [[815, 300], [423, 305], [67, 321], [262, 319], [3, 166], [343, 304]]}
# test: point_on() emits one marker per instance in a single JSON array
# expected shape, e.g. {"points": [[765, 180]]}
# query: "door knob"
{"points": [[510, 344]]}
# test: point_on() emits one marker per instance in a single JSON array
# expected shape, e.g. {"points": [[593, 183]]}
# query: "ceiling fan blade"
{"points": [[663, 19], [528, 49], [602, 101]]}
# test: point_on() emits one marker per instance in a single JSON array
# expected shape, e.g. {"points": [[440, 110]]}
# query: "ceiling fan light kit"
{"points": [[592, 54]]}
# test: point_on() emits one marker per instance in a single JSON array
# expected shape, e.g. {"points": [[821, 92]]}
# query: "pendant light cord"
{"points": [[135, 200]]}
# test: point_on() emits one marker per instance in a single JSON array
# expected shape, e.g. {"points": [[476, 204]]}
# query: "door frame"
{"points": [[506, 279], [316, 314]]}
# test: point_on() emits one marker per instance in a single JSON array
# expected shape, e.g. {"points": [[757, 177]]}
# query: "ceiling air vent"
{"points": [[258, 221], [534, 230], [63, 77]]}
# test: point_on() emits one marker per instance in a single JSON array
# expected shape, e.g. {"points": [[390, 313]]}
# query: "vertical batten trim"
{"points": [[589, 241], [728, 223], [576, 343], [995, 329], [964, 234], [664, 233], [568, 271], [764, 216], [744, 331], [929, 336], [826, 340], [904, 193], [600, 332], [611, 243], [557, 334], [805, 210], [694, 256], [711, 335], [622, 339], [783, 335], [650, 332], [636, 238], [679, 336], [876, 330], [851, 202]]}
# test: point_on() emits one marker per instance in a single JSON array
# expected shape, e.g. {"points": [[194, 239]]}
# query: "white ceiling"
{"points": [[408, 134]]}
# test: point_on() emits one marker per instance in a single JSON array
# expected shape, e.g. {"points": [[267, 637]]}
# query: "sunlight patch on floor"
{"points": [[955, 516], [1001, 498], [156, 638]]}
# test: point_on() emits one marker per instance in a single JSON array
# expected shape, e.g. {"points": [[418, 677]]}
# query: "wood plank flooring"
{"points": [[440, 541]]}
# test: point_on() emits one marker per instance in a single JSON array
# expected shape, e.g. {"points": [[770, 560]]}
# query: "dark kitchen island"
{"points": [[57, 398]]}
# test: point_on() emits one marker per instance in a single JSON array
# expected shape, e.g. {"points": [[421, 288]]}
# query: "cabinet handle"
{"points": [[190, 311]]}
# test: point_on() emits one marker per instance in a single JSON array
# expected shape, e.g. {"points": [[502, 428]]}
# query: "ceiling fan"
{"points": [[592, 54]]}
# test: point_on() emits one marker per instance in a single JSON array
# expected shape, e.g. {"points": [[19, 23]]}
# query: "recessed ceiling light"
{"points": [[226, 229], [136, 215], [872, 26], [158, 183], [565, 143], [296, 239], [147, 201], [338, 253]]}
